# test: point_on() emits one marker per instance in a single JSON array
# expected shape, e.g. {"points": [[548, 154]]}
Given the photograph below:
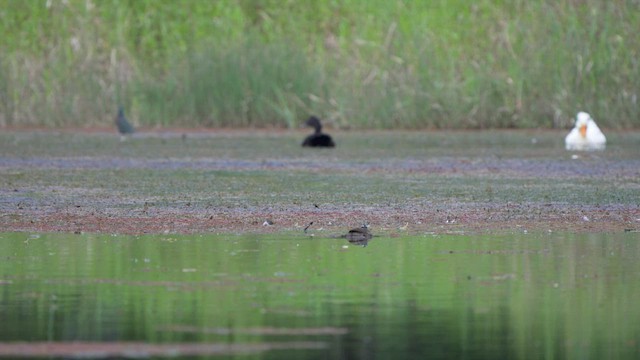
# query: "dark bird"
{"points": [[317, 139], [124, 127], [359, 236], [307, 228]]}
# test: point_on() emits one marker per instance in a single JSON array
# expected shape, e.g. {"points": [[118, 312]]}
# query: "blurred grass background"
{"points": [[357, 63]]}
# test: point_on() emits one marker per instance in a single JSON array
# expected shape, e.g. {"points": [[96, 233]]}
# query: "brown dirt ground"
{"points": [[455, 218], [392, 222]]}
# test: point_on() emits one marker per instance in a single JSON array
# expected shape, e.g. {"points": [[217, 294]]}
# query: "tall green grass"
{"points": [[356, 63], [245, 84]]}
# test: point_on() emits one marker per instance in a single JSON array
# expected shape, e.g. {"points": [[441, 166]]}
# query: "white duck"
{"points": [[585, 135]]}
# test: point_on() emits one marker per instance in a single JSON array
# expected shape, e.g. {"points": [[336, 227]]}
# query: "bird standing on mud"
{"points": [[317, 139], [124, 127], [586, 135]]}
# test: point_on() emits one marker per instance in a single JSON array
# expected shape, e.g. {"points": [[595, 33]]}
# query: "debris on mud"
{"points": [[418, 183]]}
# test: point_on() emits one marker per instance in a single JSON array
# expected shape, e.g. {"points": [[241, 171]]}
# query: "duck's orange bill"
{"points": [[583, 130]]}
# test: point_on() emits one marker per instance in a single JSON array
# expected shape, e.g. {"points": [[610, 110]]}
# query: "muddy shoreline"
{"points": [[238, 182], [393, 221]]}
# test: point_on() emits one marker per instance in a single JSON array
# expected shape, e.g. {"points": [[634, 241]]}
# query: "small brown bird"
{"points": [[359, 236]]}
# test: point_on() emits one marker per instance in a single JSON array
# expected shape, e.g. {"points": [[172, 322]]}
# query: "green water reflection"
{"points": [[521, 296]]}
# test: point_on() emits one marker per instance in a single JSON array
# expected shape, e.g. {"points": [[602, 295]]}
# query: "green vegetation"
{"points": [[357, 63]]}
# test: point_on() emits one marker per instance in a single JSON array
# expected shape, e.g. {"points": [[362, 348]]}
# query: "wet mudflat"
{"points": [[486, 245], [234, 181], [293, 296]]}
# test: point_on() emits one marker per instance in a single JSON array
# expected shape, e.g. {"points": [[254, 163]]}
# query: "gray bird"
{"points": [[124, 127]]}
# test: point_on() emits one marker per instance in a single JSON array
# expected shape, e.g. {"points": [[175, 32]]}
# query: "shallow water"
{"points": [[525, 296]]}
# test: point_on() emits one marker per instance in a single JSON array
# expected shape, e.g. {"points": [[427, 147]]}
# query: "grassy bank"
{"points": [[358, 63]]}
